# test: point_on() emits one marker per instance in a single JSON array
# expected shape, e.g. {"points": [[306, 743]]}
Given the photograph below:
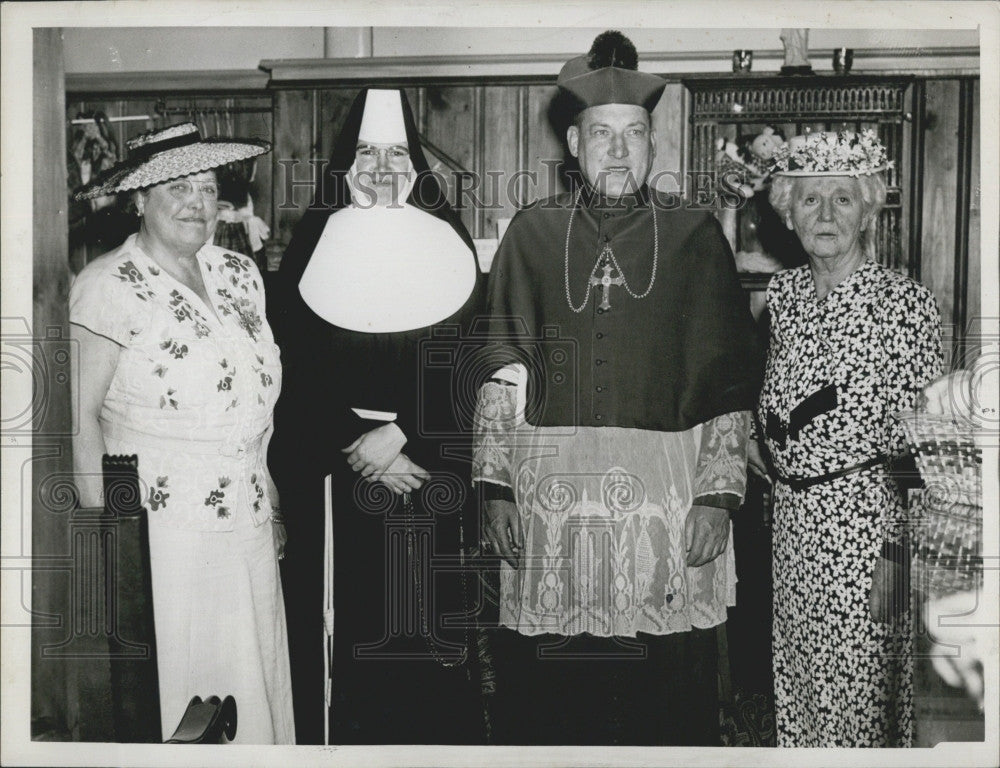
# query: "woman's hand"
{"points": [[404, 475], [890, 592], [950, 395], [373, 452], [280, 535], [756, 463], [503, 530]]}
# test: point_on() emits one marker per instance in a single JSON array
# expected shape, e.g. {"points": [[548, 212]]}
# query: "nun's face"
{"points": [[382, 170]]}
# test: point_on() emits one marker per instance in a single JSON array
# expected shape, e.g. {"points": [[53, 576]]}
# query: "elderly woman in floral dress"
{"points": [[852, 343], [179, 368]]}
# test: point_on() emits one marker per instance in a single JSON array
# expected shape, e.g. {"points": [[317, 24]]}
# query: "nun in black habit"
{"points": [[379, 288]]}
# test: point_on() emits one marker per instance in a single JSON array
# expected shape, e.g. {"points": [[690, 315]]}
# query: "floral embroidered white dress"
{"points": [[192, 397]]}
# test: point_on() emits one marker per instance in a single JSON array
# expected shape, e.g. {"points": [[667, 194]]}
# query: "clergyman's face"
{"points": [[382, 170], [614, 144]]}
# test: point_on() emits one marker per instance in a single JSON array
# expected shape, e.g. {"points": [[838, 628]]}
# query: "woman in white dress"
{"points": [[178, 367]]}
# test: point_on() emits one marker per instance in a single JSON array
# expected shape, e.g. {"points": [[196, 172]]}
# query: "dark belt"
{"points": [[801, 483]]}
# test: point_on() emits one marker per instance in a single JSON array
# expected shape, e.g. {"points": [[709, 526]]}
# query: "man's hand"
{"points": [[706, 534], [403, 475], [503, 530], [374, 451], [756, 463], [890, 592]]}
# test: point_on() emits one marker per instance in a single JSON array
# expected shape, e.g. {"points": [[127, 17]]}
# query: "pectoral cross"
{"points": [[605, 282]]}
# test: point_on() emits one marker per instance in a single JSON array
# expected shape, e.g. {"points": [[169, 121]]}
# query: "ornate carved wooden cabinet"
{"points": [[733, 108]]}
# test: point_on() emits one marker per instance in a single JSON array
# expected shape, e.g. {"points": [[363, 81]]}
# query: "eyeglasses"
{"points": [[393, 152], [182, 189]]}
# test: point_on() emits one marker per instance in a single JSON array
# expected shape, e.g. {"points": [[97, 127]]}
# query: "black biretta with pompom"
{"points": [[609, 74]]}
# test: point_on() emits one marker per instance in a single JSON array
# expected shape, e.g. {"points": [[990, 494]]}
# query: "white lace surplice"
{"points": [[603, 513]]}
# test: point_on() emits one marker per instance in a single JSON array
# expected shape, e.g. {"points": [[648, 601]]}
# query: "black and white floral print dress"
{"points": [[841, 679]]}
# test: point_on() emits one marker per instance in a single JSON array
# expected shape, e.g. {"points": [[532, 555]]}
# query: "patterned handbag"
{"points": [[947, 524]]}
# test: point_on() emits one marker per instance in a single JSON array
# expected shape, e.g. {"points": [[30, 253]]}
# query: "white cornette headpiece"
{"points": [[382, 122]]}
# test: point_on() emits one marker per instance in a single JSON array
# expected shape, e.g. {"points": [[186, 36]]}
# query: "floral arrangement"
{"points": [[842, 153]]}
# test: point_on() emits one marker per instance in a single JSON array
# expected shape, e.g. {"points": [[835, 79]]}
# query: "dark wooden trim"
{"points": [[80, 85], [919, 101], [509, 69], [499, 69], [963, 200]]}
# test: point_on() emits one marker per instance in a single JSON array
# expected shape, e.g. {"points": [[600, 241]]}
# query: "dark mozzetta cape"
{"points": [[685, 353]]}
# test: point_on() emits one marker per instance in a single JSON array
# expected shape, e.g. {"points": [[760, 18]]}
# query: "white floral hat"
{"points": [[169, 153], [826, 153]]}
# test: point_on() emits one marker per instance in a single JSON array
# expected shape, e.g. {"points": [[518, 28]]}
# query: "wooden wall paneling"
{"points": [[523, 184], [974, 307], [333, 104], [479, 167], [915, 167], [501, 155], [70, 696], [418, 103], [544, 147], [905, 175], [940, 186], [255, 125], [963, 197], [670, 124], [450, 117], [294, 176]]}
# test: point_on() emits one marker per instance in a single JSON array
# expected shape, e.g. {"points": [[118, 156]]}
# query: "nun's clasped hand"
{"points": [[403, 475], [373, 452]]}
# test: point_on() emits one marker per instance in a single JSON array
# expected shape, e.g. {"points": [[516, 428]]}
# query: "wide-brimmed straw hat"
{"points": [[828, 153], [169, 153]]}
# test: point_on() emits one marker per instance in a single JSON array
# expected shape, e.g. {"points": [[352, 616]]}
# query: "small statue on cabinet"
{"points": [[796, 44]]}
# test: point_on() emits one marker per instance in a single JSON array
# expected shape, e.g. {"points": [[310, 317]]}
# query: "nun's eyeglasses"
{"points": [[367, 150]]}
